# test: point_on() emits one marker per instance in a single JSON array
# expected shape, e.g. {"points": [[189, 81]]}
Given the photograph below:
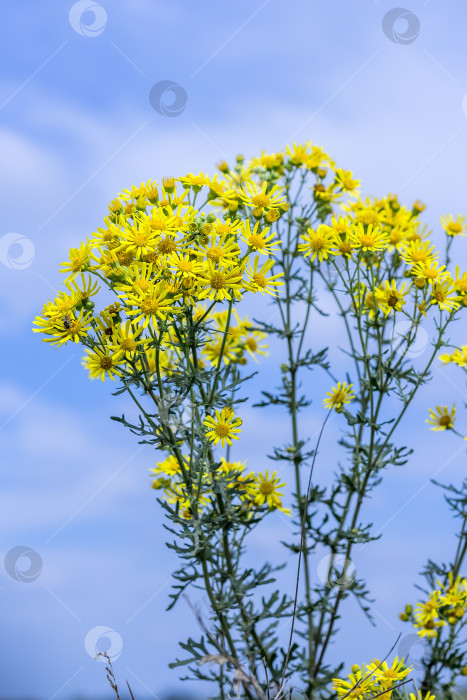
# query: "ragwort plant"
{"points": [[179, 258], [441, 617]]}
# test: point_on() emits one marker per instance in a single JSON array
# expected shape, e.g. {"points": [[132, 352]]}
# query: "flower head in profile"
{"points": [[453, 227], [339, 395], [442, 418], [224, 427]]}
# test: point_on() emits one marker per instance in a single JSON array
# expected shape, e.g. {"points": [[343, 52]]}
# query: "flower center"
{"points": [[222, 429], [185, 265], [78, 262], [158, 225], [128, 344], [106, 363], [166, 245], [150, 306], [261, 200], [141, 239], [367, 241], [256, 241], [143, 285], [217, 281], [214, 254], [260, 280], [317, 244]]}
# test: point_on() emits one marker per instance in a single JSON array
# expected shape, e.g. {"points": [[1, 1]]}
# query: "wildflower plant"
{"points": [[179, 258], [441, 616]]}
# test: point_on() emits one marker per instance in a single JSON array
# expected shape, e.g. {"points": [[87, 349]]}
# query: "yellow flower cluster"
{"points": [[446, 605], [369, 232], [371, 679], [458, 357], [161, 256], [249, 491]]}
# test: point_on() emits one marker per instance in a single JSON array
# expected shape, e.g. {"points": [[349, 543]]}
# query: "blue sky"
{"points": [[76, 127]]}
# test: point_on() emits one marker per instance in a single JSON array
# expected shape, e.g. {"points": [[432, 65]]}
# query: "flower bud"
{"points": [[418, 206], [168, 184]]}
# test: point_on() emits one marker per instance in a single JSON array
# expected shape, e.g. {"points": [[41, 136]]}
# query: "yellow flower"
{"points": [[459, 356], [268, 161], [64, 328], [460, 282], [262, 199], [369, 237], [359, 684], [319, 243], [103, 363], [389, 298], [137, 279], [126, 339], [168, 466], [223, 427], [388, 676], [79, 259], [258, 279], [252, 345], [339, 395], [138, 239], [442, 419], [218, 282], [184, 265], [444, 294], [453, 227], [429, 628], [151, 305], [259, 240], [266, 491], [345, 180], [87, 290], [195, 181], [428, 696], [455, 593], [429, 271], [414, 252], [218, 248]]}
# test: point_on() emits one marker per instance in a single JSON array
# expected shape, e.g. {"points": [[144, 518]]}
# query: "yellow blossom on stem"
{"points": [[339, 395], [442, 418], [224, 427]]}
